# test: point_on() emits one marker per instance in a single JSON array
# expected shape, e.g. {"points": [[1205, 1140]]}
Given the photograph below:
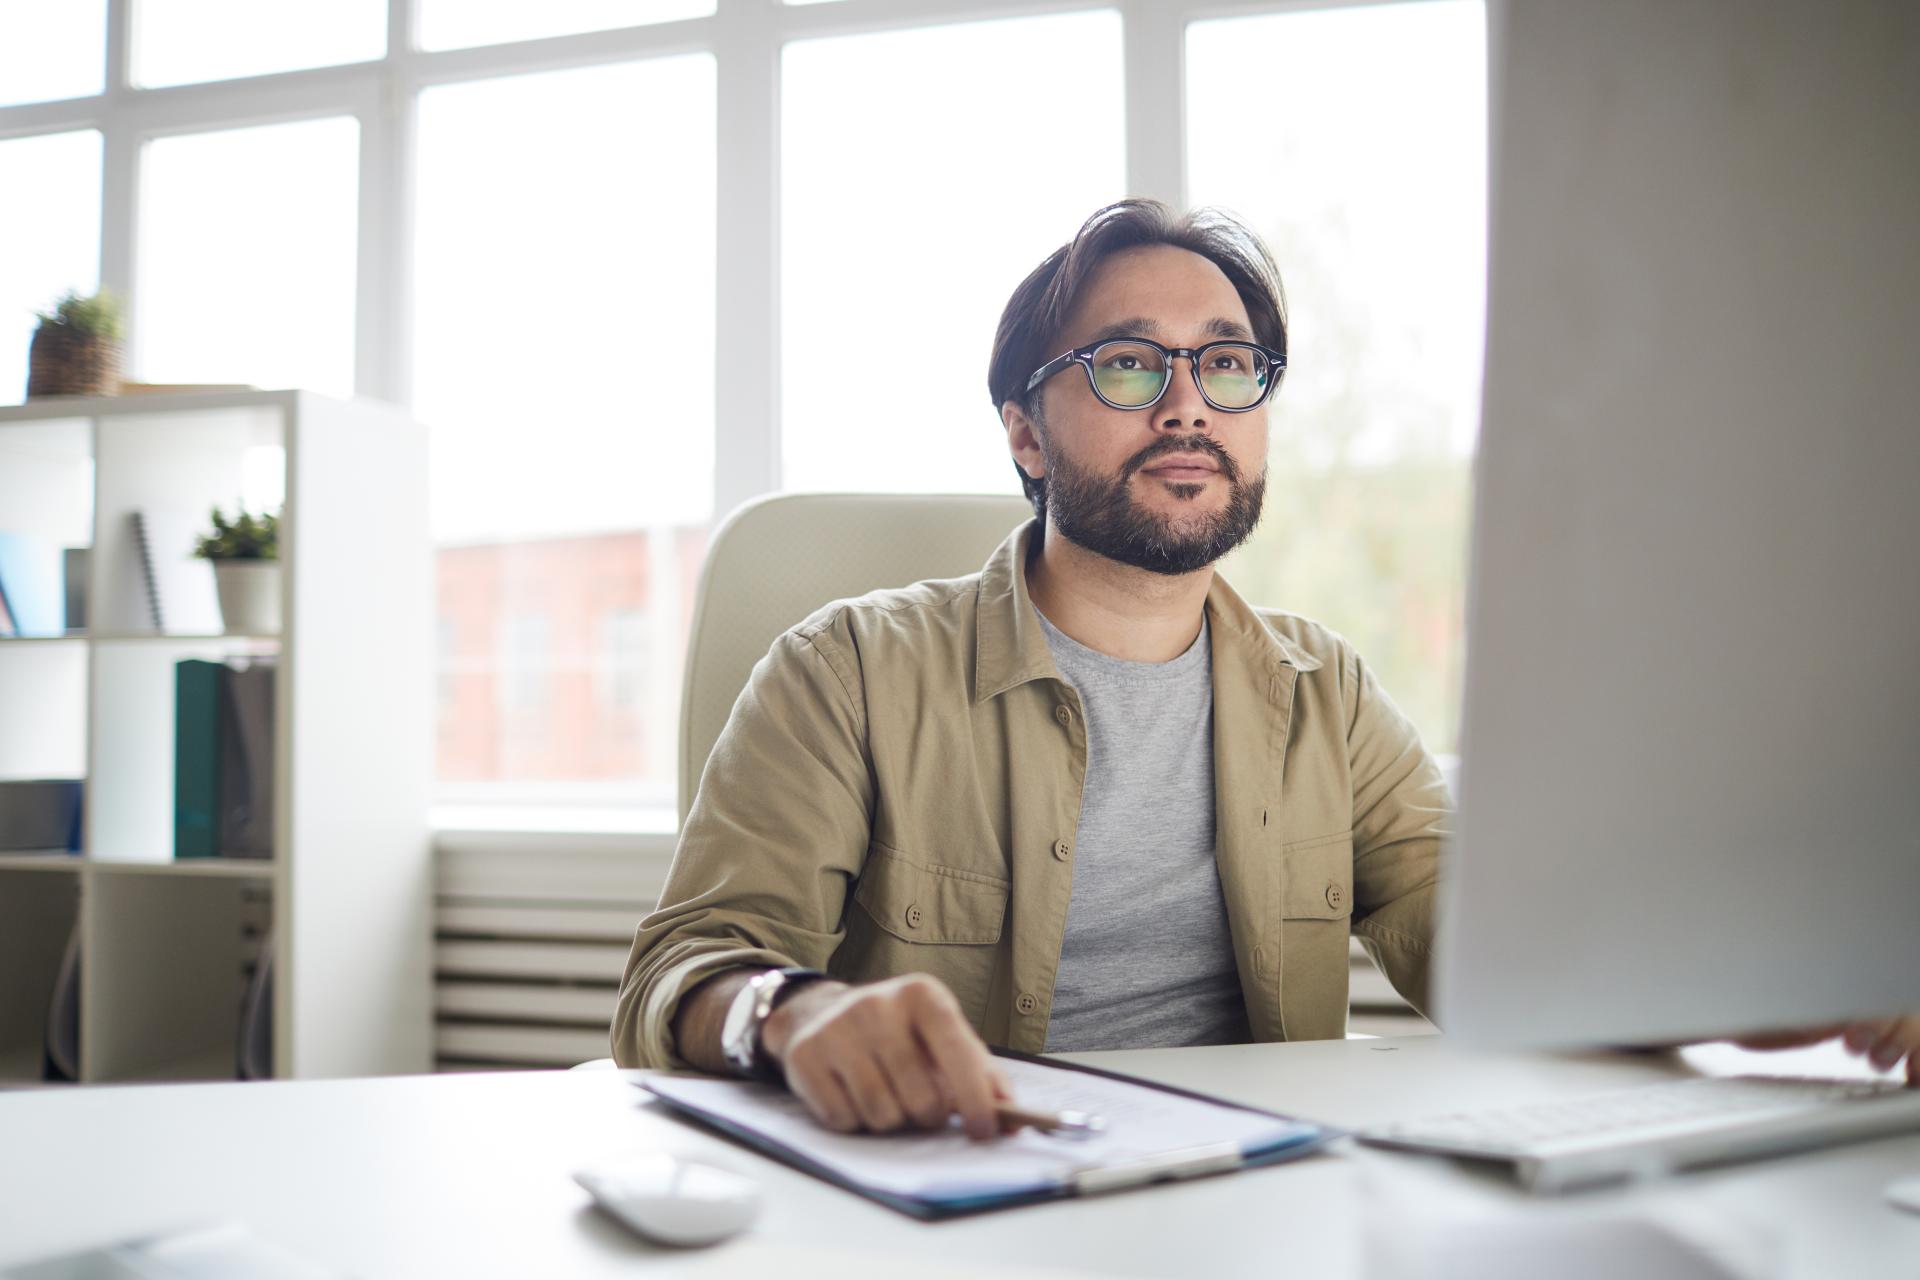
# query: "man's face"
{"points": [[1170, 488]]}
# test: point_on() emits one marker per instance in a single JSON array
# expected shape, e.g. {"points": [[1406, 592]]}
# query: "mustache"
{"points": [[1182, 444]]}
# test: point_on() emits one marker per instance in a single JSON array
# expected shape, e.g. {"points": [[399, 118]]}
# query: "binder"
{"points": [[1289, 1138], [197, 758], [246, 761]]}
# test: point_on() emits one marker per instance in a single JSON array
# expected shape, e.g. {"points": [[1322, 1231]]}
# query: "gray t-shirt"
{"points": [[1147, 960]]}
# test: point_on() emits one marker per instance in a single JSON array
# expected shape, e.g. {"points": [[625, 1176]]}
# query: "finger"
{"points": [[1860, 1036], [823, 1094], [964, 1063], [911, 1074], [872, 1096], [1902, 1037]]}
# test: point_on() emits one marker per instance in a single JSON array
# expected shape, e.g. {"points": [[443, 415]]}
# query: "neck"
{"points": [[1119, 610]]}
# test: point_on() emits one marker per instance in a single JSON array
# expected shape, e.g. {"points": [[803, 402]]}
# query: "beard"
{"points": [[1100, 514]]}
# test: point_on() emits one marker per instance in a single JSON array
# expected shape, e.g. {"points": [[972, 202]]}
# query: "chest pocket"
{"points": [[916, 902], [1319, 878]]}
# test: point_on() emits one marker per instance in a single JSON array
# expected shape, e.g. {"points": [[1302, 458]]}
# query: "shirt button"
{"points": [[913, 917], [1063, 713], [1026, 1003], [1062, 849], [1335, 895]]}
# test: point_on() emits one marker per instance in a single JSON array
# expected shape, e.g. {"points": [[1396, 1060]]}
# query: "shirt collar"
{"points": [[1011, 649]]}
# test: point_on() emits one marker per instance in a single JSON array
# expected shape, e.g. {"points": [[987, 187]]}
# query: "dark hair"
{"points": [[1030, 326]]}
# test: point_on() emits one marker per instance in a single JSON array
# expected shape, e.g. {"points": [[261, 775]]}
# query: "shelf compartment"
{"points": [[166, 974], [133, 747], [43, 686], [37, 917]]}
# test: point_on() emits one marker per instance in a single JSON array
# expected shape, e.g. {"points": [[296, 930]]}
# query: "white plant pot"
{"points": [[249, 596]]}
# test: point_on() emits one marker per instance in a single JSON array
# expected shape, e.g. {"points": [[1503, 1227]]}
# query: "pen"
{"points": [[1068, 1124]]}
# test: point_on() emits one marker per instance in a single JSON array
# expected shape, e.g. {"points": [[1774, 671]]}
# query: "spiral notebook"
{"points": [[179, 598], [1153, 1133]]}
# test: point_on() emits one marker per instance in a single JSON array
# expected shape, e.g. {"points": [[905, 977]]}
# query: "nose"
{"points": [[1182, 407]]}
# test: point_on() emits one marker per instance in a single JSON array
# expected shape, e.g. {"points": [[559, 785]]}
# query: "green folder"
{"points": [[196, 758]]}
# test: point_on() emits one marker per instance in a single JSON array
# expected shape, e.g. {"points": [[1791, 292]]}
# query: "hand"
{"points": [[886, 1056], [1884, 1041]]}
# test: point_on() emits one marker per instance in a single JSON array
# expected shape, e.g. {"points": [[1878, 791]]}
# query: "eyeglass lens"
{"points": [[1130, 374]]}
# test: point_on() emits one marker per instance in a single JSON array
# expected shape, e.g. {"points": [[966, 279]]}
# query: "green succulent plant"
{"points": [[245, 537], [98, 314]]}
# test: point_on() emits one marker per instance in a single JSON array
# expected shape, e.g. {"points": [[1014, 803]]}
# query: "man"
{"points": [[1086, 798]]}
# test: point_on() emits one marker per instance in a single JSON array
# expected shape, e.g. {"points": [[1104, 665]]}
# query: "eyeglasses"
{"points": [[1132, 373]]}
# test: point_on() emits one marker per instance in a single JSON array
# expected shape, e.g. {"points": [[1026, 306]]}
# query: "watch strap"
{"points": [[792, 979]]}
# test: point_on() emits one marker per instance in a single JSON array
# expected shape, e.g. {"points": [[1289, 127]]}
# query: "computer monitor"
{"points": [[1690, 777]]}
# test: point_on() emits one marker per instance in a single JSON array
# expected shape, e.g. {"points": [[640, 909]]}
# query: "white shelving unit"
{"points": [[348, 891]]}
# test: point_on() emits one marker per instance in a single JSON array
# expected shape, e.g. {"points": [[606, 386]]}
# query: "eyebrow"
{"points": [[1217, 328]]}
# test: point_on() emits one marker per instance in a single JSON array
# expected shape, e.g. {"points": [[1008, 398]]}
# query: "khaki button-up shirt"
{"points": [[898, 787]]}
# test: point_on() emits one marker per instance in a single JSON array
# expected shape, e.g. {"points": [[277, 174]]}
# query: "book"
{"points": [[30, 583], [180, 596], [197, 732]]}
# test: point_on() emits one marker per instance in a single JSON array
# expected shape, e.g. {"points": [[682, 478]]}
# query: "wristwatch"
{"points": [[740, 1033]]}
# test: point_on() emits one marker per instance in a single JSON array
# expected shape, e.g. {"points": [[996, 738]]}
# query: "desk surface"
{"points": [[468, 1175]]}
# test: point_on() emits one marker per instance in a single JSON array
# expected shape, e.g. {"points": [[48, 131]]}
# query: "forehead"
{"points": [[1180, 291]]}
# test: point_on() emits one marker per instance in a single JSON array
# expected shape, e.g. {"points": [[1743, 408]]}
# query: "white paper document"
{"points": [[1145, 1127]]}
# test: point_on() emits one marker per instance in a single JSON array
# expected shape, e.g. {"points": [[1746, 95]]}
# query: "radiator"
{"points": [[529, 947]]}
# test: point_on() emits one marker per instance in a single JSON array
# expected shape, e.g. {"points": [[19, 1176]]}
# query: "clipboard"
{"points": [[1299, 1138]]}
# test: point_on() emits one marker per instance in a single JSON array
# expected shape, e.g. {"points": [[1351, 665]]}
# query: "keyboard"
{"points": [[1654, 1129]]}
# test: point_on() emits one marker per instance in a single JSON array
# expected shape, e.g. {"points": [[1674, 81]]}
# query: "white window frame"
{"points": [[745, 37]]}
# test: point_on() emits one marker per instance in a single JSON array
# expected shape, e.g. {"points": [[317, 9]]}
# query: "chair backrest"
{"points": [[777, 559]]}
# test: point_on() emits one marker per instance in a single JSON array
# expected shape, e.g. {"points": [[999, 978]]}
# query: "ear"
{"points": [[1023, 441]]}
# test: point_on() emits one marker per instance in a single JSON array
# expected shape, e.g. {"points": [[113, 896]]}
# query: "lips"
{"points": [[1187, 467]]}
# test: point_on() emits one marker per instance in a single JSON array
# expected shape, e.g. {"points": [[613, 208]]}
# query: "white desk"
{"points": [[467, 1175]]}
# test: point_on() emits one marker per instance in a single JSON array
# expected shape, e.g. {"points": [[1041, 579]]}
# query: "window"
{"points": [[61, 223], [185, 41], [458, 24], [635, 260], [1368, 185], [52, 51], [247, 253], [903, 231], [565, 361]]}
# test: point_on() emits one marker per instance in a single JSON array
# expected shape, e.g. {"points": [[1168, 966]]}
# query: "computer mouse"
{"points": [[673, 1201], [1905, 1194]]}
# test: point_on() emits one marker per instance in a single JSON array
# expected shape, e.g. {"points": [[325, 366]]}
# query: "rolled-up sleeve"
{"points": [[1401, 815], [777, 832]]}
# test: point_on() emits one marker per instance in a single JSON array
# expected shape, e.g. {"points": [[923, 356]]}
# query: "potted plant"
{"points": [[245, 553], [76, 349]]}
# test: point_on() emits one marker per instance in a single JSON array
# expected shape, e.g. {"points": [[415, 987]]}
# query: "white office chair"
{"points": [[777, 559]]}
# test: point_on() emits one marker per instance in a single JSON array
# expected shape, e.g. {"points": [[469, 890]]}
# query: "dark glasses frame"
{"points": [[1083, 356]]}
